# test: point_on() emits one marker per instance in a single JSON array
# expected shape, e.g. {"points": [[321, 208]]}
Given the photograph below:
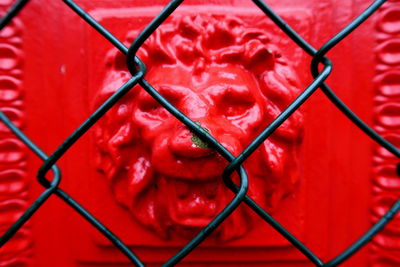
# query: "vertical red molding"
{"points": [[13, 176], [386, 184]]}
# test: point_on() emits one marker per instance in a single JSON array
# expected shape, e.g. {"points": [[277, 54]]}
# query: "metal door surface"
{"points": [[156, 183]]}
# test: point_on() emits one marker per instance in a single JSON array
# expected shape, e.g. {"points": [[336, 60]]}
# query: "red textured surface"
{"points": [[232, 80], [63, 66]]}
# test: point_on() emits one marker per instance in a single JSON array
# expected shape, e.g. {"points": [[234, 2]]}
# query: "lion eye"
{"points": [[153, 109], [149, 105], [235, 105]]}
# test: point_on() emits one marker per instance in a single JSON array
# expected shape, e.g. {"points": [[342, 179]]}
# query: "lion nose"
{"points": [[186, 144]]}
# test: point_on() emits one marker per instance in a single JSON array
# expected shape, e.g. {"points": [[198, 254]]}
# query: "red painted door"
{"points": [[151, 180]]}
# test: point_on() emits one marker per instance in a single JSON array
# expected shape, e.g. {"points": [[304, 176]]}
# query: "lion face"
{"points": [[166, 176], [226, 102]]}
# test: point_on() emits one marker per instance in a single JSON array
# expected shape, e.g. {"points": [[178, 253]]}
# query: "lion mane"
{"points": [[198, 42]]}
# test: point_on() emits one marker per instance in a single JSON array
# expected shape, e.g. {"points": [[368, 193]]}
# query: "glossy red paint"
{"points": [[154, 183], [231, 79]]}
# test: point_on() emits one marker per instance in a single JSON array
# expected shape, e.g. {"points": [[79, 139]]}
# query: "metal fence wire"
{"points": [[138, 69]]}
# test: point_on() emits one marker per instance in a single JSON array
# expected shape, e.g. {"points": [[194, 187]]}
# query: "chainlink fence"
{"points": [[138, 69]]}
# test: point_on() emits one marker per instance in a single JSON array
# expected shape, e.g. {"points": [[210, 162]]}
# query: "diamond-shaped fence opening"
{"points": [[321, 67]]}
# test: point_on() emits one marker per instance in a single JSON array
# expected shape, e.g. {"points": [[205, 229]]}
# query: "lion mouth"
{"points": [[194, 203]]}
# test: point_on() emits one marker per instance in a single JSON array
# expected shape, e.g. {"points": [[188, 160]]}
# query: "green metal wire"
{"points": [[138, 70]]}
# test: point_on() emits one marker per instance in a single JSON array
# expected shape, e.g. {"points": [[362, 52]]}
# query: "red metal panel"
{"points": [[151, 181]]}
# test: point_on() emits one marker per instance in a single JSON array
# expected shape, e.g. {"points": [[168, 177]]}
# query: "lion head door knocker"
{"points": [[232, 80]]}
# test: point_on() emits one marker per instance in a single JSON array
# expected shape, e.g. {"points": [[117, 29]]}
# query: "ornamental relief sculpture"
{"points": [[230, 78]]}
